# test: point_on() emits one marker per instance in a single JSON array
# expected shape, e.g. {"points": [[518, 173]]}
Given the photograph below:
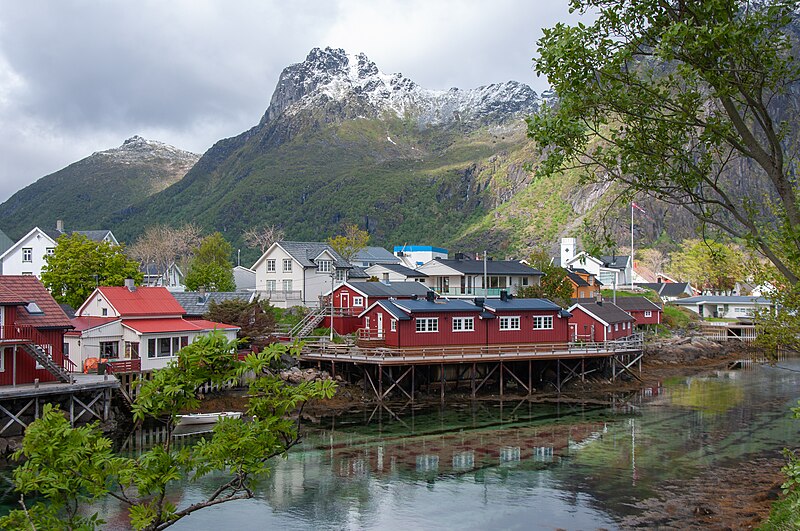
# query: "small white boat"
{"points": [[194, 419]]}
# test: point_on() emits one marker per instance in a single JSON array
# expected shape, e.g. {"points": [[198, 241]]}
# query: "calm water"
{"points": [[511, 465]]}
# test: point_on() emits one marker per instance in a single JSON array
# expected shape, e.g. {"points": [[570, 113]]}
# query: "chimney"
{"points": [[460, 256], [60, 225], [567, 250], [503, 295], [430, 296], [414, 297], [130, 285], [478, 302]]}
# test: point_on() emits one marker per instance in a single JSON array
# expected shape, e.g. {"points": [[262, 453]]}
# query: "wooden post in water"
{"points": [[501, 379], [473, 379], [442, 381]]}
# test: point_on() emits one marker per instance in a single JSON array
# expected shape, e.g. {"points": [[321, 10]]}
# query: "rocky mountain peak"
{"points": [[140, 149], [332, 75]]}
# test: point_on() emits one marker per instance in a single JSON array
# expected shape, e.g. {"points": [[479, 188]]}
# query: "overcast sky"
{"points": [[80, 76]]}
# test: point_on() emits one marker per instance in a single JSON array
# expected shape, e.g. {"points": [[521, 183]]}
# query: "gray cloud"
{"points": [[79, 76]]}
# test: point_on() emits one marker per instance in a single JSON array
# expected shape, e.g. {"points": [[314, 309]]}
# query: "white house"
{"points": [[369, 256], [395, 273], [26, 256], [413, 256], [609, 270], [139, 325], [298, 273], [463, 277], [723, 307]]}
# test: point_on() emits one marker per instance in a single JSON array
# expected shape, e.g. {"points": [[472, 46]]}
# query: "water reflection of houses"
{"points": [[462, 451]]}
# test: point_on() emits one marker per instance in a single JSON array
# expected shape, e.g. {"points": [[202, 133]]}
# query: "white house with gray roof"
{"points": [[464, 277], [298, 273], [369, 256], [724, 307], [395, 273]]}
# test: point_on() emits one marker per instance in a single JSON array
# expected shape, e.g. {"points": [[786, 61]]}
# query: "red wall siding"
{"points": [[655, 318], [585, 322], [526, 333], [26, 365]]}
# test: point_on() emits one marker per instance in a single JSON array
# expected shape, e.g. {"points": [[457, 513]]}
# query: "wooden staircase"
{"points": [[41, 357], [308, 323]]}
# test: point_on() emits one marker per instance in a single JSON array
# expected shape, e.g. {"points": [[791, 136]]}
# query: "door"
{"points": [[2, 321], [344, 300], [573, 331], [380, 326]]}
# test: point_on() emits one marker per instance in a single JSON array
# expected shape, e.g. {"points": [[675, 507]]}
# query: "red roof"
{"points": [[26, 289], [85, 323], [143, 301], [175, 324]]}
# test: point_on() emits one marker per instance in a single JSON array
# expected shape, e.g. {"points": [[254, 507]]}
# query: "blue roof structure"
{"points": [[421, 248]]}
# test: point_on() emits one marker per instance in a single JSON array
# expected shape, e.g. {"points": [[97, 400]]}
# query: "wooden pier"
{"points": [[86, 398], [405, 370]]}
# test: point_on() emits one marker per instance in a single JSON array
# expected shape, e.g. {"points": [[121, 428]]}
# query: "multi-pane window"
{"points": [[509, 322], [50, 251], [542, 322], [648, 313], [287, 285], [463, 324], [270, 285], [324, 266], [616, 327], [109, 349], [270, 265], [164, 347], [27, 254], [358, 301], [393, 325], [287, 265], [340, 275], [427, 324]]}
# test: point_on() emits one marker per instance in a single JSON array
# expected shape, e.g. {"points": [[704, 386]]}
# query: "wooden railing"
{"points": [[118, 366], [29, 334]]}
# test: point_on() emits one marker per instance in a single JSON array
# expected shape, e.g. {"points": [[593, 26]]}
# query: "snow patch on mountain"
{"points": [[332, 75], [138, 149]]}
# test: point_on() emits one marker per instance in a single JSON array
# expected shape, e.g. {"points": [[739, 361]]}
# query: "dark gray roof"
{"points": [[636, 304], [395, 289], [5, 242], [670, 289], [357, 272], [403, 270], [493, 267], [375, 255], [94, 235], [306, 252], [607, 311], [396, 312], [615, 262], [577, 279], [498, 305], [721, 299], [441, 305], [196, 304], [68, 310]]}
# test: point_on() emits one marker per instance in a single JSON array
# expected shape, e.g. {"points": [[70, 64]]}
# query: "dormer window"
{"points": [[324, 266], [33, 309]]}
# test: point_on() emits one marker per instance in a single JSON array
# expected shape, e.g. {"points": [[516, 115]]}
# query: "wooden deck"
{"points": [[467, 354], [82, 382]]}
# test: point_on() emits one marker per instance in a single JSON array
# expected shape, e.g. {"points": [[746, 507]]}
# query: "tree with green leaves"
{"points": [[349, 243], [554, 285], [211, 267], [256, 319], [682, 100], [71, 466], [709, 265], [78, 265]]}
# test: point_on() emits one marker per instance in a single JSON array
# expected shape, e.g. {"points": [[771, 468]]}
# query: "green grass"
{"points": [[678, 318]]}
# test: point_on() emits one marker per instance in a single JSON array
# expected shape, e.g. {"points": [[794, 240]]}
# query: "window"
{"points": [[616, 327], [358, 301], [270, 265], [164, 347], [393, 325], [648, 313], [524, 281], [132, 350], [270, 285], [542, 322], [27, 254], [340, 274], [463, 324], [427, 324], [287, 265], [386, 277], [109, 349], [287, 285], [27, 273], [104, 312], [509, 323], [324, 266], [50, 251]]}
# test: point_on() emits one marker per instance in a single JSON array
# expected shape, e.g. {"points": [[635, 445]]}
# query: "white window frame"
{"points": [[270, 265], [648, 313], [272, 285], [50, 251], [426, 325], [393, 325], [340, 274], [27, 255], [507, 323], [358, 301], [542, 322], [463, 324], [286, 284], [287, 265], [616, 327], [324, 266]]}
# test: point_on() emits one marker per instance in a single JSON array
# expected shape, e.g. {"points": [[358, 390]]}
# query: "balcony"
{"points": [[470, 292]]}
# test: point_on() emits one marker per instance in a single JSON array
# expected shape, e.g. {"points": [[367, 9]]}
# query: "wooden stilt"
{"points": [[473, 380], [530, 377], [413, 371], [501, 379], [442, 381]]}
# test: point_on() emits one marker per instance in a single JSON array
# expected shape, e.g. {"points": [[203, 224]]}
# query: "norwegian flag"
{"points": [[637, 207]]}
